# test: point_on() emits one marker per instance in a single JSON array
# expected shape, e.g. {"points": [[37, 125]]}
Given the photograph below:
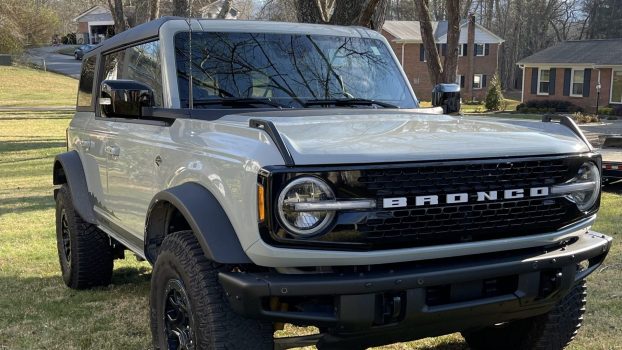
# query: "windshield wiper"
{"points": [[237, 101], [348, 102]]}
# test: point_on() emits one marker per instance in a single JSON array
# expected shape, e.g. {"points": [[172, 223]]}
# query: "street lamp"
{"points": [[597, 95]]}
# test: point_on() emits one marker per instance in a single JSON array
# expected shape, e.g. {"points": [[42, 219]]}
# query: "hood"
{"points": [[331, 136]]}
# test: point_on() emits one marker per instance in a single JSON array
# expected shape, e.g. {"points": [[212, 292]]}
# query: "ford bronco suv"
{"points": [[280, 173]]}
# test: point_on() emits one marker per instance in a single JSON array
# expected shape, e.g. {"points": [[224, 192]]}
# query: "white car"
{"points": [[284, 173]]}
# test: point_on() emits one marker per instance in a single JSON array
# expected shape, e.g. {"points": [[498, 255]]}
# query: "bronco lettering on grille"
{"points": [[455, 198]]}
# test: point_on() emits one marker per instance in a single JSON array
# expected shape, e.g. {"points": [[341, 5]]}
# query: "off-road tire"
{"points": [[551, 331], [212, 322], [89, 260]]}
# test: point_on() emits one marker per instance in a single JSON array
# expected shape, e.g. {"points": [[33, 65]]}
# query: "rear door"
{"points": [[131, 146]]}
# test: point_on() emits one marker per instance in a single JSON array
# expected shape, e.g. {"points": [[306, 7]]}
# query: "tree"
{"points": [[154, 9], [118, 16], [224, 10], [494, 96], [367, 13], [181, 8], [447, 71]]}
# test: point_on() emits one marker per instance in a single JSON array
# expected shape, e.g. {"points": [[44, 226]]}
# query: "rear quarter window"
{"points": [[85, 87]]}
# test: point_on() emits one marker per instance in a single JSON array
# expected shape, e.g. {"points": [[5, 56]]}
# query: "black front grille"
{"points": [[474, 221], [428, 225]]}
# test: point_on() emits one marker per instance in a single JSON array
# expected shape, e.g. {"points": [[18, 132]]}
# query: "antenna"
{"points": [[190, 86]]}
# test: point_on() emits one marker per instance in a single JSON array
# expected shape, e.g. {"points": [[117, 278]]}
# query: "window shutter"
{"points": [[465, 48], [534, 81], [567, 75], [484, 80], [462, 81], [587, 75], [444, 49], [552, 76], [421, 53], [486, 49], [475, 49]]}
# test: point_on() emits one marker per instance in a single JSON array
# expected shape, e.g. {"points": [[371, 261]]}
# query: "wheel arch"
{"points": [[192, 206], [68, 170]]}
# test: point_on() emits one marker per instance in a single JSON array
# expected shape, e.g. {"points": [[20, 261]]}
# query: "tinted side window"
{"points": [[85, 87], [139, 63]]}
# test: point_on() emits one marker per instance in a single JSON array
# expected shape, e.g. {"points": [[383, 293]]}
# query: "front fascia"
{"points": [[271, 251]]}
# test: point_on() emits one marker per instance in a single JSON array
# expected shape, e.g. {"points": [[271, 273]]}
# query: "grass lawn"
{"points": [[27, 87], [38, 312]]}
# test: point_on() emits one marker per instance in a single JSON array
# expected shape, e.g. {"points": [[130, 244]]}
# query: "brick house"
{"points": [[405, 39], [573, 70], [94, 25]]}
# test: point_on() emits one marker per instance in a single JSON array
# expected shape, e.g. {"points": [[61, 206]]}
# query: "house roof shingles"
{"points": [[595, 52], [410, 31]]}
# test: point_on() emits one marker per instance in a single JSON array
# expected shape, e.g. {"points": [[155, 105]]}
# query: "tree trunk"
{"points": [[154, 9], [315, 11], [367, 13], [181, 8], [120, 25], [224, 11], [427, 35], [450, 65]]}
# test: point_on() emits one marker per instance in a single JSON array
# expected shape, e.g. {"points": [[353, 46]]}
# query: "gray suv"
{"points": [[284, 173]]}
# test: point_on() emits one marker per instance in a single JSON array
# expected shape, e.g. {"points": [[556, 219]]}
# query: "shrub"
{"points": [[605, 111], [552, 105], [585, 118], [522, 109], [617, 110], [612, 117], [494, 96], [532, 110], [71, 39], [520, 106]]}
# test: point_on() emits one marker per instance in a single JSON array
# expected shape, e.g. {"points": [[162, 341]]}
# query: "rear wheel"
{"points": [[84, 251], [189, 309], [551, 331]]}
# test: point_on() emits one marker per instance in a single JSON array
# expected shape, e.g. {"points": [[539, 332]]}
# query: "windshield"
{"points": [[290, 70]]}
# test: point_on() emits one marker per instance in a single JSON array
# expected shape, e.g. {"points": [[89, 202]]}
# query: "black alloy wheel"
{"points": [[177, 316]]}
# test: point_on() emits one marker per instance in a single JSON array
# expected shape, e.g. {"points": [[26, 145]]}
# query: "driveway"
{"points": [[55, 62], [593, 130]]}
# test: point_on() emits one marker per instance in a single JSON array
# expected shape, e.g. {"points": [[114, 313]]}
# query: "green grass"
{"points": [[38, 312], [27, 87]]}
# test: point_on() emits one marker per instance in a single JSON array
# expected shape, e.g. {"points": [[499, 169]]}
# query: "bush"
{"points": [[552, 106], [71, 38], [612, 117], [494, 96], [617, 110], [605, 111], [585, 118]]}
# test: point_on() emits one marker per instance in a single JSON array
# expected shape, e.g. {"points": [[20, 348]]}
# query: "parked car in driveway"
{"points": [[79, 52], [611, 151]]}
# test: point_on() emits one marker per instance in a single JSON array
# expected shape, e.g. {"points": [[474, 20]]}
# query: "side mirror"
{"points": [[447, 96], [124, 98]]}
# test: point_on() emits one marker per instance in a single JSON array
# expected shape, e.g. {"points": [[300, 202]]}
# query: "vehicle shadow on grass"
{"points": [[455, 345], [30, 145], [131, 275]]}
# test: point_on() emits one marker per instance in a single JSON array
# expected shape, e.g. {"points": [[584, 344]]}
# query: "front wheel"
{"points": [[551, 331], [188, 307]]}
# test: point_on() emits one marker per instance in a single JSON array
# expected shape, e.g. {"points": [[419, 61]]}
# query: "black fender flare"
{"points": [[207, 220], [68, 169]]}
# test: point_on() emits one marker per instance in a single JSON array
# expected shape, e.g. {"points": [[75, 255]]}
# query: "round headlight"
{"points": [[586, 197], [304, 190]]}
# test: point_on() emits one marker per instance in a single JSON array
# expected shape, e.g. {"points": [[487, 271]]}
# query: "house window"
{"points": [[577, 83], [477, 81], [543, 82], [616, 87], [462, 50], [479, 49]]}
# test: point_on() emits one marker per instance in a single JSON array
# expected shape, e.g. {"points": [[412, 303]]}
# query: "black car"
{"points": [[81, 50]]}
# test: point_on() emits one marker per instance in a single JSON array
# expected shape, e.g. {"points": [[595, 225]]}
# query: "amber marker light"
{"points": [[261, 204]]}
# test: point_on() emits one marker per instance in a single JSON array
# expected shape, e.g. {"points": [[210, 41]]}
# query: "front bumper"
{"points": [[422, 299]]}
